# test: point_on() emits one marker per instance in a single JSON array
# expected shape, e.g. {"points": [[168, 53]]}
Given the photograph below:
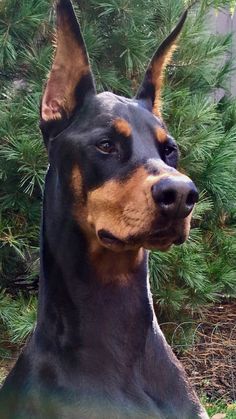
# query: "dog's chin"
{"points": [[154, 241], [163, 245]]}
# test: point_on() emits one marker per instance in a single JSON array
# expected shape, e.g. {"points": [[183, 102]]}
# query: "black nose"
{"points": [[175, 196]]}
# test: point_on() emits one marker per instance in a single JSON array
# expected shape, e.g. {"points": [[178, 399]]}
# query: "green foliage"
{"points": [[121, 36], [17, 317], [22, 155], [220, 407]]}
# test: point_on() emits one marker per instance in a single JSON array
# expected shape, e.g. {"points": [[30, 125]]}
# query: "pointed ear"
{"points": [[70, 78], [150, 89]]}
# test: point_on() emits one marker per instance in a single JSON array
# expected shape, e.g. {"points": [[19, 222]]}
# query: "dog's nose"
{"points": [[175, 196]]}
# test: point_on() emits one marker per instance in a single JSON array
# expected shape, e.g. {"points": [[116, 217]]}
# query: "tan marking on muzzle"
{"points": [[126, 209]]}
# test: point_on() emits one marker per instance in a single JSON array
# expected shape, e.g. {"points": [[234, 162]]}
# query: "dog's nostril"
{"points": [[192, 198], [168, 197]]}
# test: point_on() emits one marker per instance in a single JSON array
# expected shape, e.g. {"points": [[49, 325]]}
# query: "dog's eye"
{"points": [[106, 146], [169, 154], [169, 149]]}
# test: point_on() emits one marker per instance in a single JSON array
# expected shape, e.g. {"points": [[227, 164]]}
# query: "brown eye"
{"points": [[106, 146]]}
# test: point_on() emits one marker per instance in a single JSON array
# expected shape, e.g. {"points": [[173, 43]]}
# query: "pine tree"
{"points": [[24, 60], [121, 36]]}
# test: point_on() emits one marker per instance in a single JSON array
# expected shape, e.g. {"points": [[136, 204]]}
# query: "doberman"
{"points": [[112, 193]]}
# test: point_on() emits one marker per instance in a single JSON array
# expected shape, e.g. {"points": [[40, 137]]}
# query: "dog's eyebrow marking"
{"points": [[122, 127], [161, 135]]}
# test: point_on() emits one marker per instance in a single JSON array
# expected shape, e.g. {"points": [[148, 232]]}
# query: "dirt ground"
{"points": [[210, 361]]}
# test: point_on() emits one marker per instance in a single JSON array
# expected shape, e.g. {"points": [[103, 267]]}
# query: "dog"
{"points": [[112, 193]]}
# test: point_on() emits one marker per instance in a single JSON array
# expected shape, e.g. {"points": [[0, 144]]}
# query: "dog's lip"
{"points": [[180, 240], [162, 237], [162, 234], [155, 241], [108, 238], [165, 237], [159, 233]]}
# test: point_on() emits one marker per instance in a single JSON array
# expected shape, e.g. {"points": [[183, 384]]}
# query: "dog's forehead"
{"points": [[109, 101], [110, 106]]}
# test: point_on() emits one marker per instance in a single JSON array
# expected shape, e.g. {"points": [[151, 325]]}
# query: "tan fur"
{"points": [[112, 268], [70, 64], [125, 209], [123, 205], [76, 182], [158, 68], [120, 205], [79, 205], [108, 267], [161, 135], [122, 127]]}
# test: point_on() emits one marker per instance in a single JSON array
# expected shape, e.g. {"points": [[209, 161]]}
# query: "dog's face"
{"points": [[114, 156]]}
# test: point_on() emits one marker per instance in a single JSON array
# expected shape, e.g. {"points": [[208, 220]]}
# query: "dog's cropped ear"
{"points": [[150, 89], [70, 78]]}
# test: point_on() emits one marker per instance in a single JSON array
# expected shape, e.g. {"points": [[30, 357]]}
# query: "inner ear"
{"points": [[150, 90], [70, 78]]}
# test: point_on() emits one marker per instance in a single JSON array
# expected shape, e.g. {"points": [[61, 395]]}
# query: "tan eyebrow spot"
{"points": [[122, 127], [161, 135]]}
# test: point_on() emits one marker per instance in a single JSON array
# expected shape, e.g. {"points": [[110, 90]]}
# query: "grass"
{"points": [[3, 373], [221, 407]]}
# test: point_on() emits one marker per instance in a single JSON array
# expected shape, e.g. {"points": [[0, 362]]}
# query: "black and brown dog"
{"points": [[112, 190]]}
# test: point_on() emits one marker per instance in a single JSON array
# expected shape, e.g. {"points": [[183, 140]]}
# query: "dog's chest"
{"points": [[59, 403]]}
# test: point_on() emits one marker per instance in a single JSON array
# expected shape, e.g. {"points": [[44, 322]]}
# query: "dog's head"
{"points": [[114, 157]]}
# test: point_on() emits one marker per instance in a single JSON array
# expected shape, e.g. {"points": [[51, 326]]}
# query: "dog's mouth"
{"points": [[160, 239], [108, 238]]}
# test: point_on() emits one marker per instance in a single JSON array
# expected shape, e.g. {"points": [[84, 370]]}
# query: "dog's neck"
{"points": [[98, 299], [82, 309]]}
